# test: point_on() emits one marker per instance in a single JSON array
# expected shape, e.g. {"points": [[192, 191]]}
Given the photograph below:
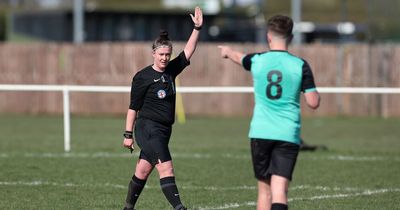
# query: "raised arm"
{"points": [[192, 42], [227, 52]]}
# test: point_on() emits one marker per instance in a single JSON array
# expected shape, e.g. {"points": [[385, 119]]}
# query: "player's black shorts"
{"points": [[272, 157], [153, 138]]}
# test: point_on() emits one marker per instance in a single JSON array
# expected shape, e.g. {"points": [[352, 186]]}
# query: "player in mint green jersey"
{"points": [[278, 78]]}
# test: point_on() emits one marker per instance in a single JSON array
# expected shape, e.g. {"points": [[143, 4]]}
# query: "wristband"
{"points": [[198, 28], [128, 134]]}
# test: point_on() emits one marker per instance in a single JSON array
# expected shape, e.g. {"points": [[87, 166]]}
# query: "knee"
{"points": [[165, 169], [142, 174], [165, 172], [143, 170]]}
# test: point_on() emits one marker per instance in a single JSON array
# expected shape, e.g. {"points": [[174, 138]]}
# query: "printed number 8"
{"points": [[271, 84]]}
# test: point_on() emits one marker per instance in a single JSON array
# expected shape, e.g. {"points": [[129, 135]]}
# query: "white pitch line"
{"points": [[209, 188], [46, 183], [108, 155], [193, 156], [364, 192], [324, 188], [320, 197], [352, 158]]}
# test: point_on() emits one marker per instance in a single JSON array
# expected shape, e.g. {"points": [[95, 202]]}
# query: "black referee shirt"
{"points": [[153, 92]]}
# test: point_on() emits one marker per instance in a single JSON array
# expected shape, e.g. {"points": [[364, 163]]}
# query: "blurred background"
{"points": [[60, 61], [348, 43], [226, 20]]}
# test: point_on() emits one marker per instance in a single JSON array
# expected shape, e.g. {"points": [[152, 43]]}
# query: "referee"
{"points": [[278, 78], [152, 112]]}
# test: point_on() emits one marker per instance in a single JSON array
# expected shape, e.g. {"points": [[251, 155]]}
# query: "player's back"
{"points": [[277, 77]]}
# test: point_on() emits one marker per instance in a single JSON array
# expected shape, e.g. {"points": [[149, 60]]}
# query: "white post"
{"points": [[67, 138], [296, 16], [79, 16]]}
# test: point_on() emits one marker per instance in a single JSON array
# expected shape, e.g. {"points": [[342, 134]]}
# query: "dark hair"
{"points": [[281, 25], [162, 40]]}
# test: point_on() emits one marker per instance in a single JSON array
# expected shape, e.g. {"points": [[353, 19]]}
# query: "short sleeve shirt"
{"points": [[153, 93], [278, 78]]}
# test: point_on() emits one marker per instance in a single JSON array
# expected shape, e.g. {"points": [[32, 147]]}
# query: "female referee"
{"points": [[151, 113]]}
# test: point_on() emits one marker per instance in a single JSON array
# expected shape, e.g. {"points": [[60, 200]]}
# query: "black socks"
{"points": [[170, 191], [279, 206], [136, 186], [168, 187]]}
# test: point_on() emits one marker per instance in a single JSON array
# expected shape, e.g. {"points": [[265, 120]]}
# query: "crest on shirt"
{"points": [[161, 94]]}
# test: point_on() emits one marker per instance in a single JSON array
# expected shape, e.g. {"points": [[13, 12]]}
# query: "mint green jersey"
{"points": [[278, 78]]}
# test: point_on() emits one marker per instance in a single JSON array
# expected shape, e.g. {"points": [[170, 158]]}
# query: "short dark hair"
{"points": [[281, 25], [162, 40]]}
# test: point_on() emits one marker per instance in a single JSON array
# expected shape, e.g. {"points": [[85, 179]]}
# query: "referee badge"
{"points": [[161, 94]]}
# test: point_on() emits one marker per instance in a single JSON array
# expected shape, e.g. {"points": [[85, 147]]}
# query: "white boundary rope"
{"points": [[65, 89], [188, 89]]}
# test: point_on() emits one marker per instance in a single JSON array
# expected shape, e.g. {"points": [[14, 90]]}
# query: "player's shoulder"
{"points": [[295, 58], [301, 63], [250, 58], [277, 54], [255, 55]]}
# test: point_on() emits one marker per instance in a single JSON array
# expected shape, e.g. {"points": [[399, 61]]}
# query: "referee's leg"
{"points": [[137, 183], [168, 185]]}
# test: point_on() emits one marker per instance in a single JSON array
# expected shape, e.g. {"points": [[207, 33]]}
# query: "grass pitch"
{"points": [[360, 169]]}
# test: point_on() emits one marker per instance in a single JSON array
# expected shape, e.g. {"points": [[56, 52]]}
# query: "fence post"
{"points": [[339, 77], [67, 138]]}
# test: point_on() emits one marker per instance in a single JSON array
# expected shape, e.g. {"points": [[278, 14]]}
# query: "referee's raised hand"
{"points": [[198, 17]]}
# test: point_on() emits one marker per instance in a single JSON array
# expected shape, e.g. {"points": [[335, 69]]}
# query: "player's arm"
{"points": [[308, 87], [194, 37], [312, 99], [235, 56]]}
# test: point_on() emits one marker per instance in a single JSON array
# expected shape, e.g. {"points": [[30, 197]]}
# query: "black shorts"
{"points": [[153, 138], [273, 157]]}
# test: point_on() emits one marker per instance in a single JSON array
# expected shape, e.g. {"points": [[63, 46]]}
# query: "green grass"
{"points": [[360, 169]]}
